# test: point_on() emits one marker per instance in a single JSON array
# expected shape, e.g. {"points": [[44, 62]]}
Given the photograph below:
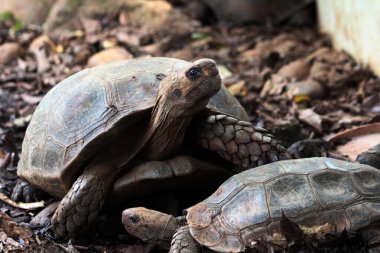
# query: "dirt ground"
{"points": [[288, 78]]}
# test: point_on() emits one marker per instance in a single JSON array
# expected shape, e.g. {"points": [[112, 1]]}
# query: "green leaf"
{"points": [[199, 36], [17, 26], [6, 15]]}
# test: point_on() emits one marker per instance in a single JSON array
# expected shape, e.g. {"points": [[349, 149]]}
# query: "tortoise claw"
{"points": [[25, 192]]}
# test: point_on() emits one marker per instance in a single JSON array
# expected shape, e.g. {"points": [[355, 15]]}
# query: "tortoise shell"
{"points": [[312, 191], [81, 113]]}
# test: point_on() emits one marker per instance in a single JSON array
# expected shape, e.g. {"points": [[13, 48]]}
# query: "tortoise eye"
{"points": [[134, 219], [194, 73]]}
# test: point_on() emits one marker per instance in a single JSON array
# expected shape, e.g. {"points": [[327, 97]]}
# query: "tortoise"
{"points": [[112, 120], [247, 208]]}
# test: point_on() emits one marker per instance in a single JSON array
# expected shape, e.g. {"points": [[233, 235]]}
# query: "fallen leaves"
{"points": [[358, 140], [311, 118], [12, 235]]}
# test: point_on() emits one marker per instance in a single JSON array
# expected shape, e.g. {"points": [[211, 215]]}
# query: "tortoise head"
{"points": [[149, 225], [188, 91]]}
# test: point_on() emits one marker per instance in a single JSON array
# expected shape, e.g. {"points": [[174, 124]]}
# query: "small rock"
{"points": [[309, 148], [109, 55], [158, 16], [310, 88], [296, 70], [9, 52], [27, 11], [370, 157]]}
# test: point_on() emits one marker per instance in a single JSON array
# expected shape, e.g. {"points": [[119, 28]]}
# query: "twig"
{"points": [[21, 205]]}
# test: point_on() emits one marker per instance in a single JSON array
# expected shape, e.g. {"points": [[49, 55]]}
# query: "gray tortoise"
{"points": [[247, 208], [112, 120]]}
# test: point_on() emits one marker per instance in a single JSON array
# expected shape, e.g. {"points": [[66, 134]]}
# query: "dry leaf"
{"points": [[290, 229], [238, 89], [12, 235], [361, 138], [311, 118], [31, 99]]}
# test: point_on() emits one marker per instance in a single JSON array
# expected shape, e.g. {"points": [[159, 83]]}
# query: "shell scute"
{"points": [[290, 193], [304, 167], [227, 189], [251, 202], [210, 237], [260, 174], [374, 210], [80, 111], [53, 156], [338, 217], [367, 181], [229, 243], [359, 216], [336, 164], [333, 188]]}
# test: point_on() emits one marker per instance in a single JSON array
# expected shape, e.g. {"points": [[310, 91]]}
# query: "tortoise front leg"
{"points": [[239, 141], [184, 242], [81, 205]]}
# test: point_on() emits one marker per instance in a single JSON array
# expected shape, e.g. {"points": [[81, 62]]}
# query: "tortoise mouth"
{"points": [[214, 84]]}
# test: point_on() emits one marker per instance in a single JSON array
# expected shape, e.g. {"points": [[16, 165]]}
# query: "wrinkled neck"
{"points": [[167, 132]]}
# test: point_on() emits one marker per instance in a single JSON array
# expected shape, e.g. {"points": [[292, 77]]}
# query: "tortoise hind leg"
{"points": [[184, 242], [239, 141], [81, 205]]}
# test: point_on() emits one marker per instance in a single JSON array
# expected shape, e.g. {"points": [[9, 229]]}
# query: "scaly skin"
{"points": [[183, 242], [81, 205], [240, 142]]}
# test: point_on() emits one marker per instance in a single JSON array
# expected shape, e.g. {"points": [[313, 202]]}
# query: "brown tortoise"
{"points": [[111, 120], [247, 208]]}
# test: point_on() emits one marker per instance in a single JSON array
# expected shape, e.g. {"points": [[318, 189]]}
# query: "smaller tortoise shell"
{"points": [[312, 191]]}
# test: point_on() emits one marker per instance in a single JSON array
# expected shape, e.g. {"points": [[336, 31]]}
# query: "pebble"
{"points": [[310, 88], [109, 55], [9, 52]]}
